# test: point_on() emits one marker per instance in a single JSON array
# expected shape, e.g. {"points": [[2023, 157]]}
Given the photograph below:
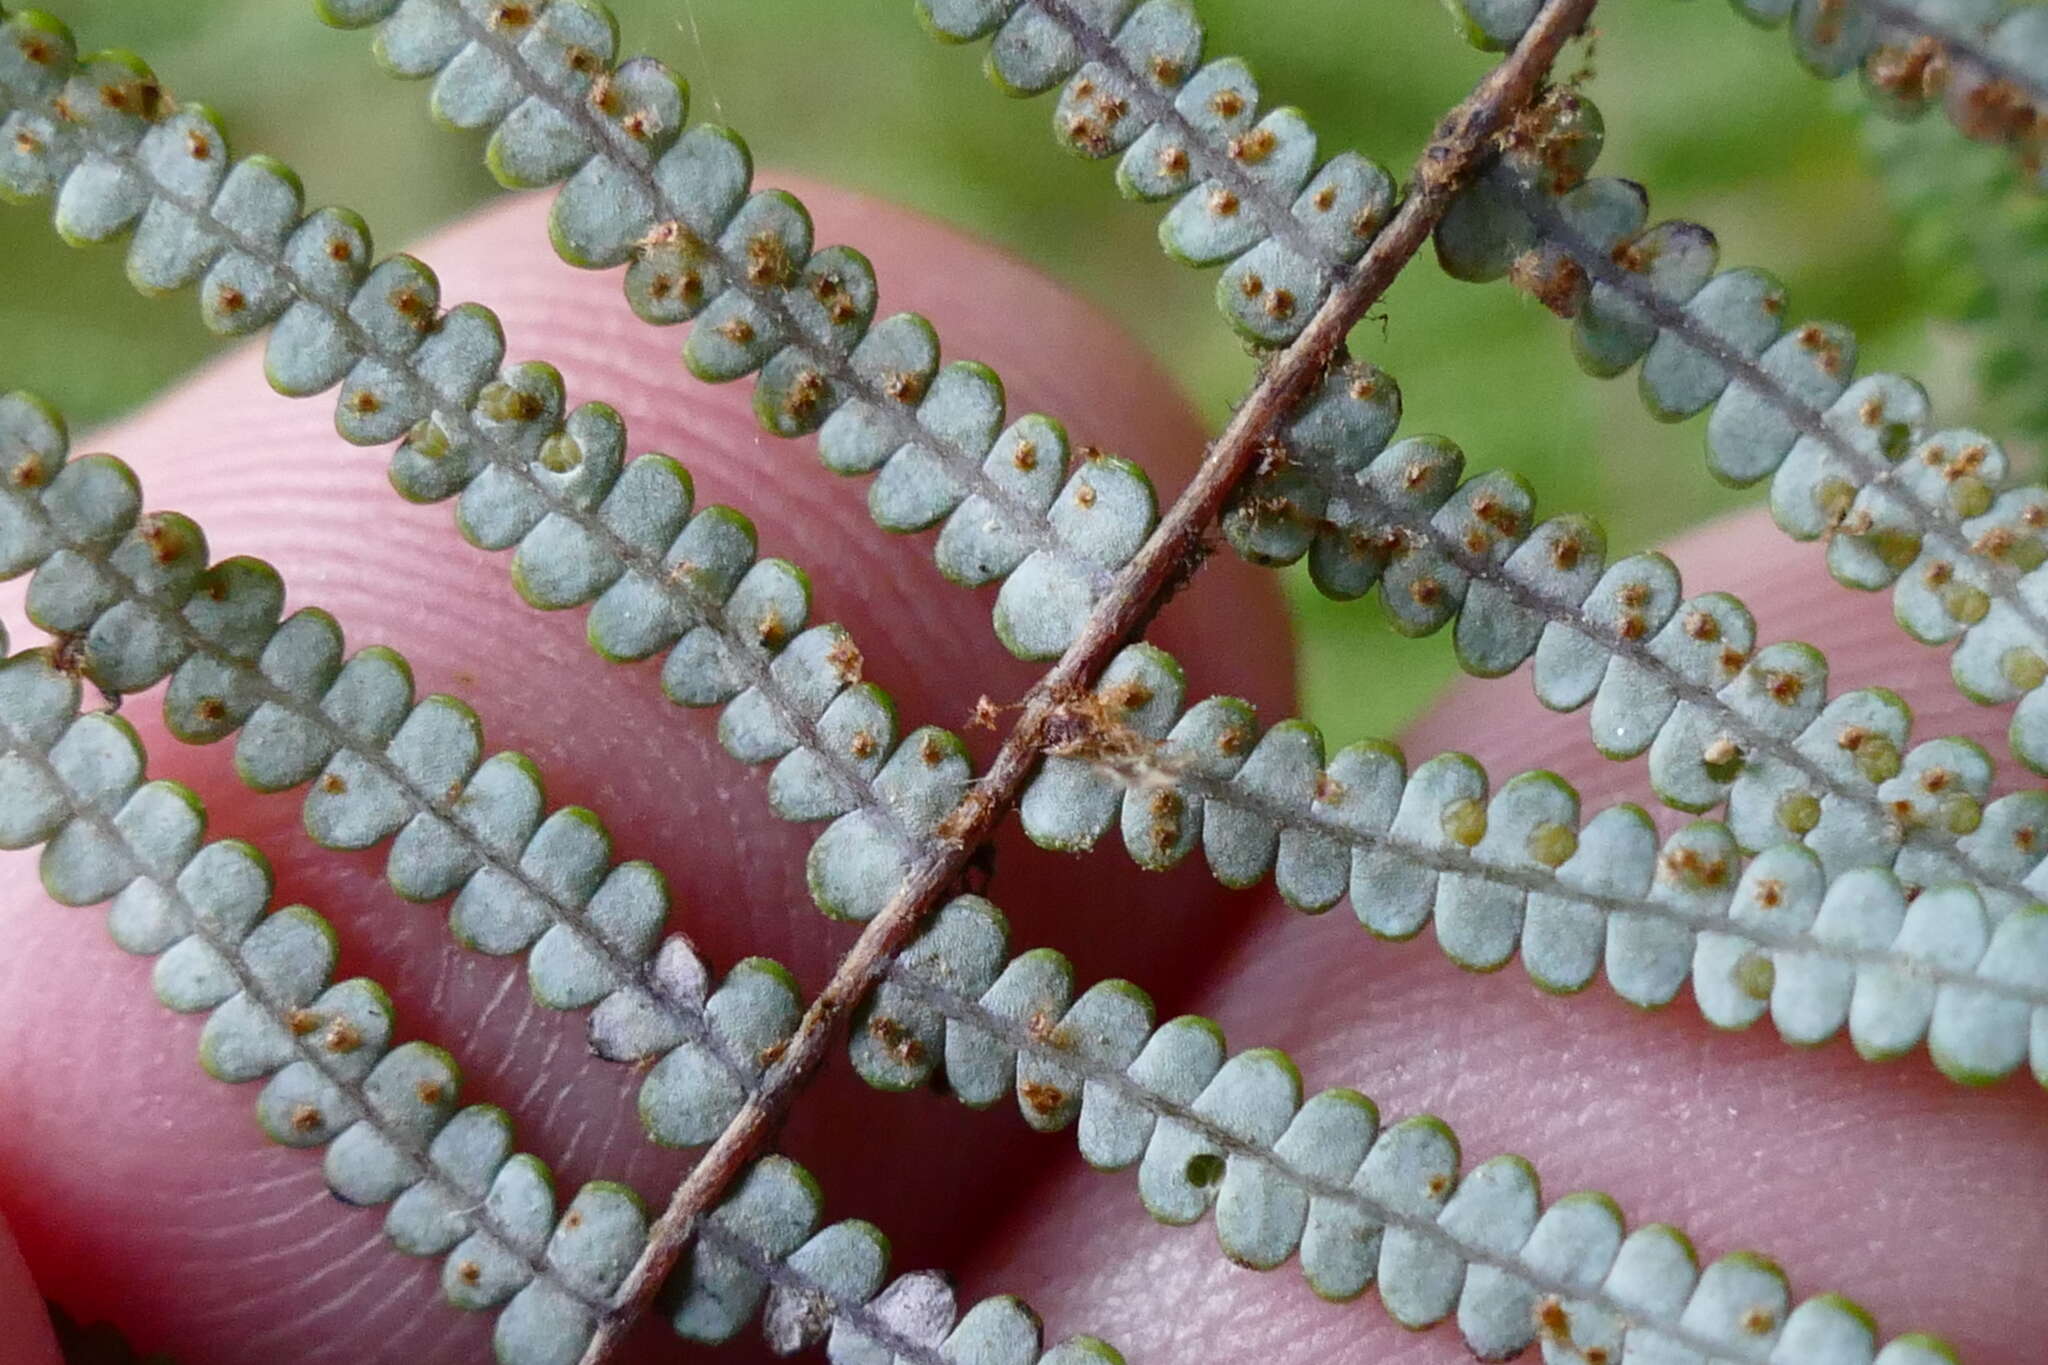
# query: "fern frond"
{"points": [[1410, 520], [1927, 513], [136, 601], [1361, 1204], [1956, 546], [1966, 218], [1682, 679], [1851, 929], [588, 527], [672, 206], [387, 1114], [134, 598]]}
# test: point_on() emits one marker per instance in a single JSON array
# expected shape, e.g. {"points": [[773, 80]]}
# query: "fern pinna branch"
{"points": [[1361, 1205], [1931, 514], [672, 207], [388, 1115], [1884, 942], [1682, 679], [146, 605]]}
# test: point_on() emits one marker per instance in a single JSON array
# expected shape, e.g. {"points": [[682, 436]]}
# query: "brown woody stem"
{"points": [[1463, 141]]}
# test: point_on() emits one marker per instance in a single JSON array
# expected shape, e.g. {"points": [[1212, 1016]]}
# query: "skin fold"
{"points": [[141, 1192]]}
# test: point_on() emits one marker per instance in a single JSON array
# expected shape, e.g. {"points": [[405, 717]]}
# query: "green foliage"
{"points": [[1969, 216]]}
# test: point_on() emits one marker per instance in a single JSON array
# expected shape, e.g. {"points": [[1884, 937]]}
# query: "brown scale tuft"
{"points": [[896, 1040], [1252, 147], [1044, 1100], [905, 386], [1552, 279], [844, 656], [342, 1037], [768, 260], [806, 391]]}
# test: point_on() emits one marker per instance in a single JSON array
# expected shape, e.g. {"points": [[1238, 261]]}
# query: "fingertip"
{"points": [[24, 1326]]}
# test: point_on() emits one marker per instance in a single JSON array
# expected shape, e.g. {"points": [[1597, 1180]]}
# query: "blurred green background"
{"points": [[1712, 114]]}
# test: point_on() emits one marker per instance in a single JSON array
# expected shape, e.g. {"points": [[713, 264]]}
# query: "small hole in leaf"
{"points": [[1204, 1169]]}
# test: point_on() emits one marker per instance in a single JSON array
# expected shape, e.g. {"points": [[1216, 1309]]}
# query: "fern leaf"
{"points": [[1361, 1203], [1928, 513], [1251, 191], [1682, 679], [387, 1112], [1855, 928], [1434, 541], [1016, 507], [589, 528], [1938, 527]]}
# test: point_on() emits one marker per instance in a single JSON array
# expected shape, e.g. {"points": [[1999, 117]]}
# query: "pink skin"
{"points": [[141, 1192]]}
